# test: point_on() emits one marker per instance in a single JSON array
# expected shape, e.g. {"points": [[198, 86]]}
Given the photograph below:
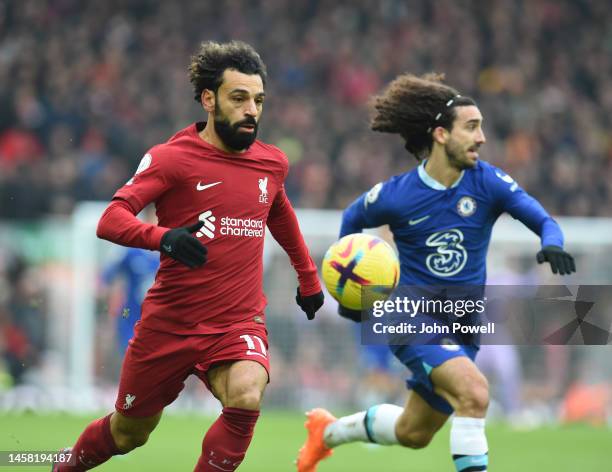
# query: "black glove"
{"points": [[354, 315], [183, 246], [560, 261], [309, 304]]}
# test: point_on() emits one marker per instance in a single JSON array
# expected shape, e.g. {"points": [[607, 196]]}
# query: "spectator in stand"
{"points": [[97, 75]]}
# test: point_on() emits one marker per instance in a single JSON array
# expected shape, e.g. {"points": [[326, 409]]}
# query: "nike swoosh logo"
{"points": [[418, 220], [201, 187], [167, 248]]}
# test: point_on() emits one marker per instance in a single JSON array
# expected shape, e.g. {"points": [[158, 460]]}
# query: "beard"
{"points": [[230, 133], [457, 156]]}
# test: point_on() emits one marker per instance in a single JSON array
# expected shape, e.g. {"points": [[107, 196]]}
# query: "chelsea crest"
{"points": [[466, 206]]}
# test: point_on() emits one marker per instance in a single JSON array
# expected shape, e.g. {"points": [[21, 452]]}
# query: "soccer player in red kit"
{"points": [[204, 315]]}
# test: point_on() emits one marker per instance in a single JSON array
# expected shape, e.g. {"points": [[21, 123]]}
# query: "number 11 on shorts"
{"points": [[252, 348]]}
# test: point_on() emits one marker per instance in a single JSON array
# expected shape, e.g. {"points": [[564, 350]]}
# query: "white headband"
{"points": [[439, 115]]}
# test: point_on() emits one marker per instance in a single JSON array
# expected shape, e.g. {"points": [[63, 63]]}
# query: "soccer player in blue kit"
{"points": [[441, 215], [137, 267]]}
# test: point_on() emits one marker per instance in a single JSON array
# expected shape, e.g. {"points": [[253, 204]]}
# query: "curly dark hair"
{"points": [[413, 106], [207, 66]]}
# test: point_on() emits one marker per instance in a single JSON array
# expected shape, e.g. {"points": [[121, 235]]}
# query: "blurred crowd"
{"points": [[23, 322], [87, 87]]}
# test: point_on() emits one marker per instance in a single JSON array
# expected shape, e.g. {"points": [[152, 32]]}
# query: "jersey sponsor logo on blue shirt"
{"points": [[450, 256]]}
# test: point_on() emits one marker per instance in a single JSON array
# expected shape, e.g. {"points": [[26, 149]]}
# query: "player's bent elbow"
{"points": [[116, 212], [105, 227], [101, 229]]}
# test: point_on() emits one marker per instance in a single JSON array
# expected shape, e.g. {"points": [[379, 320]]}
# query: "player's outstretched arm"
{"points": [[372, 209], [284, 227], [561, 262], [529, 211], [522, 206], [353, 218], [535, 217]]}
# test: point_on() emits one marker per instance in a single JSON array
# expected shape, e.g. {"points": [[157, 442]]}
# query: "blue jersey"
{"points": [[138, 268], [442, 234]]}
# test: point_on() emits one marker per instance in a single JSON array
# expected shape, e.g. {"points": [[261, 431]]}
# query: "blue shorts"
{"points": [[421, 360], [375, 357]]}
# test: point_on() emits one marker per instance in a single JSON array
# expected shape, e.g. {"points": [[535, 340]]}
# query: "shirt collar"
{"points": [[433, 183]]}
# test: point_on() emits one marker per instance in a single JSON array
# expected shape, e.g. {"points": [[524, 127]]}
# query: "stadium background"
{"points": [[87, 87]]}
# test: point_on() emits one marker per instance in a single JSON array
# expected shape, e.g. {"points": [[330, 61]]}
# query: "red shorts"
{"points": [[156, 364]]}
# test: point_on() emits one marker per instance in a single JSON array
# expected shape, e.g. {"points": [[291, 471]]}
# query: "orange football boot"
{"points": [[314, 449]]}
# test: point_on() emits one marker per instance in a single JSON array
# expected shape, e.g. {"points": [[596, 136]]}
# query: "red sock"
{"points": [[227, 440], [94, 446]]}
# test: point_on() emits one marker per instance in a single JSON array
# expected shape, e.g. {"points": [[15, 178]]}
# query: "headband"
{"points": [[439, 115]]}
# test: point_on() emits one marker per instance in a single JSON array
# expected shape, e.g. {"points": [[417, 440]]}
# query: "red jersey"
{"points": [[236, 196]]}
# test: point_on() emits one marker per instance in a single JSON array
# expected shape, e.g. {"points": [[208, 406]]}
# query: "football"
{"points": [[357, 261]]}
